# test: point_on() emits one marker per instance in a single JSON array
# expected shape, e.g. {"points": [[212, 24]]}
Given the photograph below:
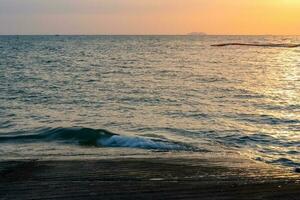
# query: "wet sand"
{"points": [[152, 178]]}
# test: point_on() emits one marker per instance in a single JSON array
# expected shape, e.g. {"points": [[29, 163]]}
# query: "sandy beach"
{"points": [[203, 177]]}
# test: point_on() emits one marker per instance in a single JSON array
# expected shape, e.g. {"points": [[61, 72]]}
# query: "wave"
{"points": [[238, 140], [257, 45], [265, 119], [285, 162], [96, 137]]}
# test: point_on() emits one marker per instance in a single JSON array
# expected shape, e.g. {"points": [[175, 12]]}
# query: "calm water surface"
{"points": [[98, 96]]}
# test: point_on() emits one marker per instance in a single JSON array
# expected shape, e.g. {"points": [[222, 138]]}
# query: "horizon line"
{"points": [[200, 35]]}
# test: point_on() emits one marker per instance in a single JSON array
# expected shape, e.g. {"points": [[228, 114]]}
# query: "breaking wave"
{"points": [[96, 137]]}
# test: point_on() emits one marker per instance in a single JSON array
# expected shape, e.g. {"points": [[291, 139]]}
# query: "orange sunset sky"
{"points": [[243, 17]]}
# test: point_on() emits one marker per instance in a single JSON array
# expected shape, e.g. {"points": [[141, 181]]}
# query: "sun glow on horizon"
{"points": [[150, 17]]}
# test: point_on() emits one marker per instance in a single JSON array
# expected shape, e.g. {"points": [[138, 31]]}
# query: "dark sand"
{"points": [[152, 178]]}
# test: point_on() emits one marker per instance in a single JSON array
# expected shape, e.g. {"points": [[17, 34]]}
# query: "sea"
{"points": [[81, 97]]}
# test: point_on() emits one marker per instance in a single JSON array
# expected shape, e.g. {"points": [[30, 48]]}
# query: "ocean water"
{"points": [[106, 96]]}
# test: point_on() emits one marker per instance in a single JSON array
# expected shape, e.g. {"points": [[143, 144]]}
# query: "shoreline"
{"points": [[147, 178]]}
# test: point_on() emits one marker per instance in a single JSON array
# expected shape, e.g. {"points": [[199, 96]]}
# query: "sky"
{"points": [[225, 17]]}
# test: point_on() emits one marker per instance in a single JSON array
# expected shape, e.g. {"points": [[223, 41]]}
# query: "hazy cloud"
{"points": [[14, 7]]}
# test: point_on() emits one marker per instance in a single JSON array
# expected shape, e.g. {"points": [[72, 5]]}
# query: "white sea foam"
{"points": [[138, 142]]}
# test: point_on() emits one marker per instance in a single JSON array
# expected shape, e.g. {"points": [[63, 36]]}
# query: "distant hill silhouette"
{"points": [[197, 33]]}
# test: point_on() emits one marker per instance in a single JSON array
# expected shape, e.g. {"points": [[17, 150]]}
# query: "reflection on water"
{"points": [[174, 87]]}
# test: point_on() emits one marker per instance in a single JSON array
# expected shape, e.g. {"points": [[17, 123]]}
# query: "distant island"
{"points": [[197, 33]]}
